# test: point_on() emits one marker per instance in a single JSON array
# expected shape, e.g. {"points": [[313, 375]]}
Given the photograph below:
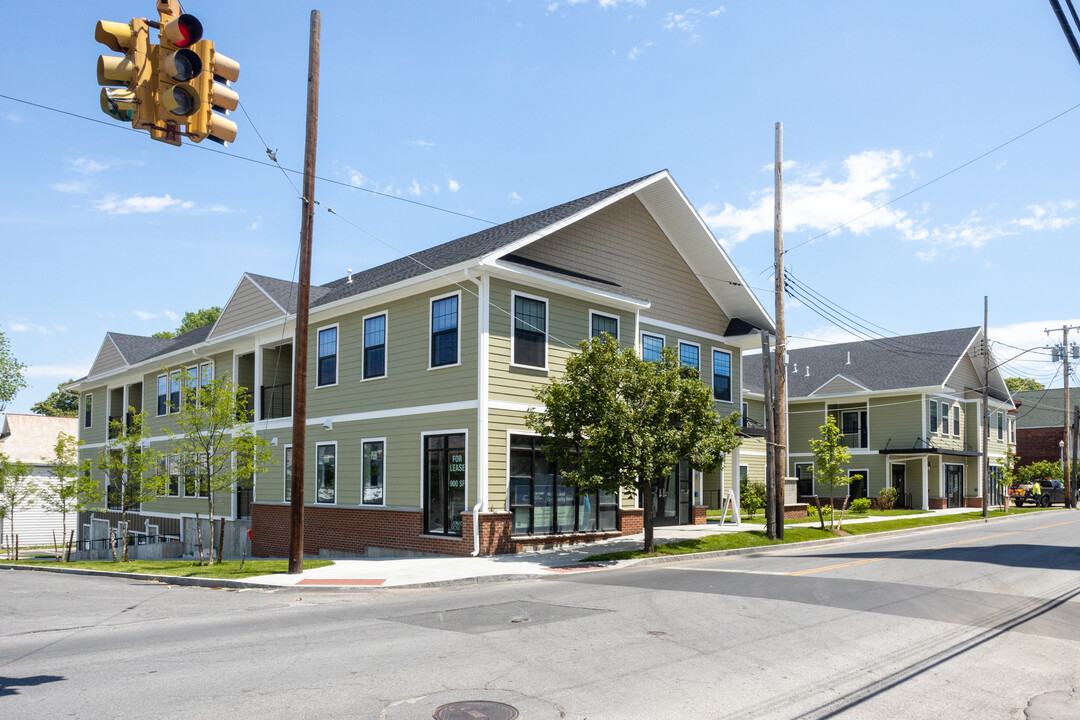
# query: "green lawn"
{"points": [[756, 538], [227, 570], [759, 516]]}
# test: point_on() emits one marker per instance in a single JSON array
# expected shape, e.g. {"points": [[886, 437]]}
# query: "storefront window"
{"points": [[444, 481]]}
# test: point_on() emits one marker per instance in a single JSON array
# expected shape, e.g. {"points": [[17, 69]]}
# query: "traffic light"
{"points": [[216, 96], [134, 72], [178, 67]]}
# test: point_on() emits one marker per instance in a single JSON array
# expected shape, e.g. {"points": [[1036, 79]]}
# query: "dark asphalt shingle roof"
{"points": [[1043, 408], [905, 361], [136, 348]]}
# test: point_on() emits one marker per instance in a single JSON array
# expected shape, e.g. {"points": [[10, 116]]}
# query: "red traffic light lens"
{"points": [[184, 31]]}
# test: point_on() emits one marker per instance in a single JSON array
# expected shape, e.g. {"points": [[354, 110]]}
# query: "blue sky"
{"points": [[497, 109]]}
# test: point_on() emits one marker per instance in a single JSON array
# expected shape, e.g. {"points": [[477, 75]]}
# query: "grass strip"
{"points": [[227, 570], [758, 538]]}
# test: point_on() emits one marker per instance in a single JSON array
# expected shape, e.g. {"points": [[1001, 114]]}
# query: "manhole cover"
{"points": [[475, 710]]}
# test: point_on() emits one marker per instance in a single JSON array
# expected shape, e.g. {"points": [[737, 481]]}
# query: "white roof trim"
{"points": [[568, 283], [843, 377]]}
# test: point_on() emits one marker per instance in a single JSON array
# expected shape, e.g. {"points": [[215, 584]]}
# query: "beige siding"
{"points": [[109, 358], [247, 307], [755, 410], [408, 381], [965, 375], [622, 243], [403, 457], [837, 386], [99, 420], [895, 422], [705, 358], [804, 422]]}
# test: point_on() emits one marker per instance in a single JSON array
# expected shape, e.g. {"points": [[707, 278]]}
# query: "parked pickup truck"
{"points": [[1052, 491]]}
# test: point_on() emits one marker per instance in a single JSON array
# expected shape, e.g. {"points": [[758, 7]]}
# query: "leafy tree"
{"points": [[214, 446], [15, 492], [1007, 476], [61, 403], [1038, 471], [192, 320], [133, 469], [831, 459], [751, 497], [72, 489], [617, 422], [1017, 384], [12, 374]]}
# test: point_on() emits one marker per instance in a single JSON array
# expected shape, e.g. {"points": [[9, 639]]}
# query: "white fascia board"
{"points": [[566, 287], [253, 281], [891, 392], [565, 222], [450, 275], [842, 377]]}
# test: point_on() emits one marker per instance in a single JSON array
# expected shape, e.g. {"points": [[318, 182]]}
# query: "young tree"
{"points": [[1007, 476], [132, 469], [831, 459], [214, 444], [615, 422], [16, 492], [1018, 384], [12, 372], [1039, 470], [72, 488], [61, 403]]}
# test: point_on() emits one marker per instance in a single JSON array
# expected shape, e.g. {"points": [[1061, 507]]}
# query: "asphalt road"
{"points": [[980, 621]]}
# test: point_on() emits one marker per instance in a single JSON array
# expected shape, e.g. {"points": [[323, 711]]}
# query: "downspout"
{"points": [[482, 405]]}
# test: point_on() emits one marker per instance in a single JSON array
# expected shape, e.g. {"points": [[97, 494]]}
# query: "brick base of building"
{"points": [[387, 532], [795, 512], [973, 502], [938, 503], [699, 515]]}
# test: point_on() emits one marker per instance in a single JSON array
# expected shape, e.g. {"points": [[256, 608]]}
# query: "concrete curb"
{"points": [[506, 577]]}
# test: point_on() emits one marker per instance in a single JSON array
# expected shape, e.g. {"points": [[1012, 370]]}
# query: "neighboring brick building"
{"points": [[1040, 419]]}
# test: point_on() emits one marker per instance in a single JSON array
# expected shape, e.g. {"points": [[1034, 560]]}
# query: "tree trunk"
{"points": [[843, 507], [221, 538], [647, 520], [198, 537], [210, 511], [832, 506]]}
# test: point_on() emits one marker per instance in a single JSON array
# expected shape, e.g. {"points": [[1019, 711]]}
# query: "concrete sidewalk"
{"points": [[436, 571]]}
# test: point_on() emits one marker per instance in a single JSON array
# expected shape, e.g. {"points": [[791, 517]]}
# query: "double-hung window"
{"points": [[854, 427], [326, 473], [651, 345], [1000, 426], [162, 395], [530, 331], [174, 391], [191, 388], [88, 410], [721, 378], [956, 421], [444, 331], [604, 324], [373, 480], [944, 418], [690, 356], [206, 374], [327, 359], [933, 416], [375, 346]]}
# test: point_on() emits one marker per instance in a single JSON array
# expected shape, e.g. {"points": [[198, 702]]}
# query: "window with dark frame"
{"points": [[192, 384], [174, 391], [1000, 426], [373, 481], [444, 331], [162, 395], [651, 345], [530, 331], [804, 473], [541, 504], [853, 425], [604, 324], [721, 375], [956, 421], [444, 483], [375, 347], [933, 416], [690, 356], [327, 357], [325, 473], [88, 410], [944, 418]]}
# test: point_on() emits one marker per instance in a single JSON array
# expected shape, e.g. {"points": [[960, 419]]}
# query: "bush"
{"points": [[751, 497], [887, 498], [860, 505]]}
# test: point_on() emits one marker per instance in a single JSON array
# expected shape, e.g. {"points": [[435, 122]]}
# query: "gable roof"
{"points": [[1042, 408], [905, 361]]}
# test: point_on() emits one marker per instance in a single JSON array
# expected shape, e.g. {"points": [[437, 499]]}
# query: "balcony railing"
{"points": [[275, 401]]}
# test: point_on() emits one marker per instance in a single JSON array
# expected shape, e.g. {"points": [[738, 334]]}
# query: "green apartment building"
{"points": [[909, 409], [421, 371]]}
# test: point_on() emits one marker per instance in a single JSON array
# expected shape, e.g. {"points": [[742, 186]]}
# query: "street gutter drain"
{"points": [[475, 710]]}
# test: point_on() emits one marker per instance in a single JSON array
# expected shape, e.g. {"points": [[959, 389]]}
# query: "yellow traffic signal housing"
{"points": [[216, 95], [178, 66], [134, 71]]}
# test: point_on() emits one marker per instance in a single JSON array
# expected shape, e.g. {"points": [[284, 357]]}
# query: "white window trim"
{"points": [[286, 480], [179, 374], [363, 471], [423, 464], [386, 345], [86, 408], [712, 374], [661, 338], [337, 465], [156, 396], [1000, 426], [616, 318], [431, 330], [514, 295], [944, 418], [865, 472], [337, 355], [170, 460], [692, 344]]}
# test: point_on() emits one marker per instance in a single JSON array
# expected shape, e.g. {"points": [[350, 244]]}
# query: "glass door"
{"points": [[444, 484], [899, 478], [954, 485]]}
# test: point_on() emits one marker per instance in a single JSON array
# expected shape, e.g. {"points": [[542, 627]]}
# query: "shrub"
{"points": [[860, 505], [887, 498], [751, 497]]}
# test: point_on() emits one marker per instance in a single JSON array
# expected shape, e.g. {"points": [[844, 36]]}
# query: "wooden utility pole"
{"points": [[779, 412], [986, 412], [770, 422], [303, 297]]}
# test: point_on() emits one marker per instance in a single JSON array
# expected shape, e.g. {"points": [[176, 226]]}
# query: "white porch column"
{"points": [[925, 463]]}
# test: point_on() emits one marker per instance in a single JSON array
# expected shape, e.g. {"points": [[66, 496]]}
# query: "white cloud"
{"points": [[607, 4], [86, 165], [929, 255], [420, 143], [30, 327], [138, 204], [415, 189], [75, 186], [435, 189], [1046, 216], [13, 117], [813, 203], [515, 198], [636, 51], [144, 315], [1008, 343], [170, 315], [254, 225], [57, 371], [685, 21], [552, 7], [355, 176], [452, 184]]}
